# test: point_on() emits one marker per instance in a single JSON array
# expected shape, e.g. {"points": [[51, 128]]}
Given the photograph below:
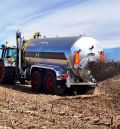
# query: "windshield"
{"points": [[10, 52]]}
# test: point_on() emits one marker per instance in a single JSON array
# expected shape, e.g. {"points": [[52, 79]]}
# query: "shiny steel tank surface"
{"points": [[61, 50]]}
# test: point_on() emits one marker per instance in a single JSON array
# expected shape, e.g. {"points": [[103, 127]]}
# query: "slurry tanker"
{"points": [[54, 64]]}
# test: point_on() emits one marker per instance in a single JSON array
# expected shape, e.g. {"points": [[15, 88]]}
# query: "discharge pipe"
{"points": [[19, 51]]}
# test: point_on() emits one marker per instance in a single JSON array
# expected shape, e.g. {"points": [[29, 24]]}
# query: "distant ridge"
{"points": [[112, 54]]}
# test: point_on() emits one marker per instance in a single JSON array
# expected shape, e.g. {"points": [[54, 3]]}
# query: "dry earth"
{"points": [[22, 109]]}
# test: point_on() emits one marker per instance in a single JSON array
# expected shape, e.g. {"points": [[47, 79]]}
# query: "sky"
{"points": [[97, 18]]}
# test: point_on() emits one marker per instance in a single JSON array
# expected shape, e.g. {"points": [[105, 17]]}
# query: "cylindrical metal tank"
{"points": [[61, 50]]}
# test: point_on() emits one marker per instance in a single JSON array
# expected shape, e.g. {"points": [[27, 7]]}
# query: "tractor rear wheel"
{"points": [[9, 76], [2, 72]]}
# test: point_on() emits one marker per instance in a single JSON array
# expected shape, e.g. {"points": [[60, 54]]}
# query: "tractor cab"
{"points": [[7, 64], [8, 55]]}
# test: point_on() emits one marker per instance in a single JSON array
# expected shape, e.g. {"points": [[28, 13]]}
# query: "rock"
{"points": [[96, 120], [62, 113]]}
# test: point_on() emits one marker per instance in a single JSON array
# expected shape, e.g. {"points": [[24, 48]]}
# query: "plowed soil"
{"points": [[20, 108]]}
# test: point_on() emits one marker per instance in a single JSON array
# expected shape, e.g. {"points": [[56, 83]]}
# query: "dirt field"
{"points": [[22, 109]]}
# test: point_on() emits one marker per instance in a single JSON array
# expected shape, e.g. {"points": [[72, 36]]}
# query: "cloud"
{"points": [[99, 19], [110, 43]]}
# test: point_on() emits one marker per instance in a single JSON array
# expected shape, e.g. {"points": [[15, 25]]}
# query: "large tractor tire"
{"points": [[7, 74], [51, 86], [9, 77], [36, 81], [2, 72]]}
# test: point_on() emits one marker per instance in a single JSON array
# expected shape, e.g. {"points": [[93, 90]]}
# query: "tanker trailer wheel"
{"points": [[2, 72], [36, 81], [51, 86]]}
